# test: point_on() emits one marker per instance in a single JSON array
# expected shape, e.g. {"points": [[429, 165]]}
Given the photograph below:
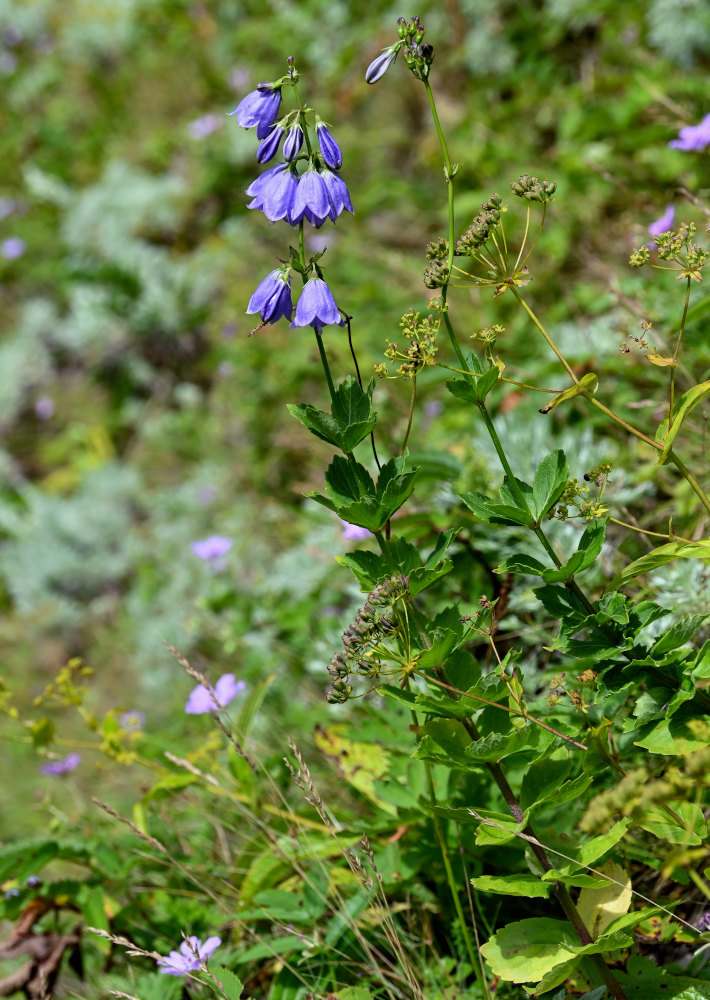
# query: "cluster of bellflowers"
{"points": [[305, 187]]}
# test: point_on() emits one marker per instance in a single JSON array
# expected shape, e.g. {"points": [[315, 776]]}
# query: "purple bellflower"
{"points": [[379, 66], [269, 146], [63, 766], [12, 248], [693, 138], [294, 141], [338, 194], [259, 108], [316, 306], [311, 201], [272, 297], [330, 150], [274, 192], [193, 953], [201, 699]]}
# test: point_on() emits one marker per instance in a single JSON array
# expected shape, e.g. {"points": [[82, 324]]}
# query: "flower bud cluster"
{"points": [[364, 640], [533, 189], [436, 274], [490, 334], [480, 229], [418, 54], [578, 495], [438, 249], [421, 332], [305, 187]]}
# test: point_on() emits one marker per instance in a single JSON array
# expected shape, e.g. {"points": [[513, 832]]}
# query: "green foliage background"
{"points": [[169, 423]]}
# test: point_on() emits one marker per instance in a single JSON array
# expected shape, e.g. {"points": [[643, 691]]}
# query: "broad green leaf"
{"points": [[513, 885], [500, 829], [231, 984], [599, 907], [666, 435], [683, 824], [590, 545], [591, 851], [475, 387], [521, 562], [671, 738], [318, 422], [678, 634], [550, 480], [352, 418], [525, 951], [658, 557], [252, 703], [497, 746], [368, 568], [90, 900], [586, 386]]}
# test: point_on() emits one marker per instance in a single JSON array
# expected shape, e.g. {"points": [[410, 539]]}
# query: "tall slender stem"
{"points": [[326, 366], [671, 387]]}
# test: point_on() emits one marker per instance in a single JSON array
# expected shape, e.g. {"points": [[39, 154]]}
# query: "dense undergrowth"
{"points": [[506, 789]]}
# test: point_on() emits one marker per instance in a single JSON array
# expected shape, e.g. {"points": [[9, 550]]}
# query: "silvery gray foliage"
{"points": [[680, 31], [25, 361]]}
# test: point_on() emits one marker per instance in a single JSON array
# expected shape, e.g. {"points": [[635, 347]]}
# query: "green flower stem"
{"points": [[452, 336], [682, 468], [326, 367], [671, 388]]}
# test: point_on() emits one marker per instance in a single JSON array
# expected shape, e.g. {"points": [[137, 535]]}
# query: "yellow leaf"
{"points": [[656, 359], [598, 907], [361, 764]]}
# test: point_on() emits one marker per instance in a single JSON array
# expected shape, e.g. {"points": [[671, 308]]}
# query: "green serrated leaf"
{"points": [[526, 950], [521, 562], [590, 545], [658, 557], [231, 984], [513, 885], [678, 634], [550, 480]]}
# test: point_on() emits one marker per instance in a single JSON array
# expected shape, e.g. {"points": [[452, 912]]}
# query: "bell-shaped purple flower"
{"points": [[338, 194], [269, 146], [294, 141], [316, 306], [311, 200], [260, 108], [379, 66], [274, 192], [272, 297], [330, 150]]}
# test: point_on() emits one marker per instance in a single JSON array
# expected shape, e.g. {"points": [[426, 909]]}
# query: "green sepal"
{"points": [[351, 420], [353, 496], [590, 545]]}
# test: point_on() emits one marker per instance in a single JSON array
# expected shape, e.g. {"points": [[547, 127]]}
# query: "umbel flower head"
{"points": [[316, 306], [260, 108], [193, 953]]}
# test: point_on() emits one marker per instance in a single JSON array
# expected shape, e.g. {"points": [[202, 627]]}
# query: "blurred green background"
{"points": [[136, 414]]}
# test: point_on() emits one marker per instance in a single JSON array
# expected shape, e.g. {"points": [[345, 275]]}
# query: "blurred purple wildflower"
{"points": [[260, 108], [12, 248], [132, 721], [193, 953], [272, 298], [44, 408], [693, 138], [33, 881], [203, 126], [704, 923], [316, 306], [225, 690], [9, 893], [212, 548], [63, 766], [353, 532], [665, 223], [329, 148]]}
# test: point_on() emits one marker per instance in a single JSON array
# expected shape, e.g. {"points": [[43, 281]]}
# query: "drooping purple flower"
{"points": [[201, 699], [330, 150], [353, 532], [693, 138], [269, 146], [193, 953], [274, 192], [260, 108], [703, 923], [33, 881], [10, 893], [338, 194], [379, 66], [12, 248], [132, 721], [203, 126], [212, 548], [316, 306], [311, 201], [272, 298], [63, 766], [294, 141]]}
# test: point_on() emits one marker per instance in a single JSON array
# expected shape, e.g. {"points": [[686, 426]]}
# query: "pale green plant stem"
{"points": [[671, 388], [412, 401], [673, 457]]}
